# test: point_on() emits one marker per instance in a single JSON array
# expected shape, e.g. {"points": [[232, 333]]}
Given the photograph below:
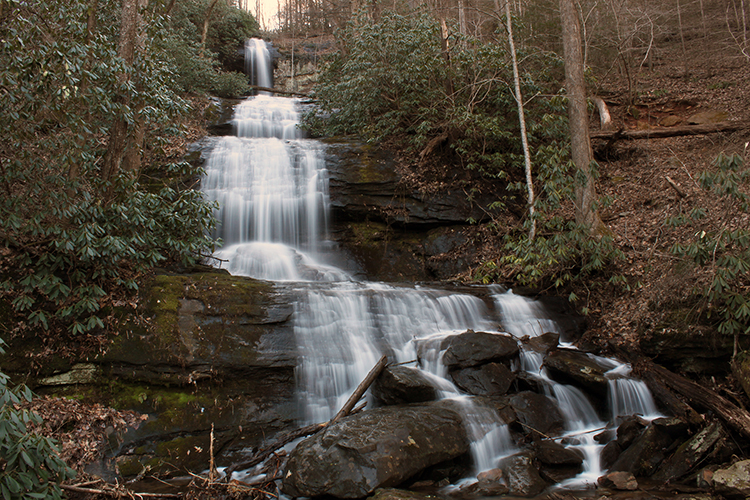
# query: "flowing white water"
{"points": [[258, 63], [272, 189]]}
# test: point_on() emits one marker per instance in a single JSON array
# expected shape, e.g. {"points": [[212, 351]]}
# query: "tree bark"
{"points": [[661, 132], [206, 21], [124, 147], [605, 119], [582, 155], [734, 416]]}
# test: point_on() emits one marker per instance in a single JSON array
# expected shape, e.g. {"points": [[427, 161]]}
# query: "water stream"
{"points": [[272, 187]]}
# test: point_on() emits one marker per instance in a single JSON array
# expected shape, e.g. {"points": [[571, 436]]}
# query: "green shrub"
{"points": [[75, 237], [392, 80], [31, 467], [721, 245]]}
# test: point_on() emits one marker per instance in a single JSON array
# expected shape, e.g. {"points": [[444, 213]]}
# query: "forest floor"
{"points": [[636, 176]]}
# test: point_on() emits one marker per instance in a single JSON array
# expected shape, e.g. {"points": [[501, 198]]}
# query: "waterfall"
{"points": [[271, 185], [258, 63]]}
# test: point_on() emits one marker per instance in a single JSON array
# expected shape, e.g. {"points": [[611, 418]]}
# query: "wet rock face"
{"points": [[491, 379], [364, 184], [578, 368], [476, 348], [401, 385], [537, 412], [378, 448], [214, 349]]}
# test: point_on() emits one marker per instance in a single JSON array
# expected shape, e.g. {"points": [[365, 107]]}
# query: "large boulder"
{"points": [[521, 476], [681, 345], [537, 412], [647, 452], [375, 449], [492, 379], [403, 384], [476, 348], [734, 481], [579, 368]]}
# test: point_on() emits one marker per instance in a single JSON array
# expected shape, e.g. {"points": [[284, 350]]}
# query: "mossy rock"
{"points": [[203, 325], [385, 253]]}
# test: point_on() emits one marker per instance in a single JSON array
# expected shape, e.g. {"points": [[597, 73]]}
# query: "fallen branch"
{"points": [[361, 389], [674, 186], [309, 430], [661, 132], [117, 492]]}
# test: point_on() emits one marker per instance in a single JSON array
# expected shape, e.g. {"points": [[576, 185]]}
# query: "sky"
{"points": [[268, 10]]}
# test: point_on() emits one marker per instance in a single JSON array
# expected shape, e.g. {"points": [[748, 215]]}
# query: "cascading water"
{"points": [[258, 63], [272, 188]]}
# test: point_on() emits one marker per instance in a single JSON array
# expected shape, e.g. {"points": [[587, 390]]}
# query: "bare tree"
{"points": [[521, 118], [580, 142]]}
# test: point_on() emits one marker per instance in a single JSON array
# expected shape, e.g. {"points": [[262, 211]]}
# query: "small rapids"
{"points": [[271, 185]]}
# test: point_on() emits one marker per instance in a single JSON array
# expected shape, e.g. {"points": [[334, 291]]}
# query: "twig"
{"points": [[674, 186], [405, 362], [211, 463], [538, 432], [114, 492]]}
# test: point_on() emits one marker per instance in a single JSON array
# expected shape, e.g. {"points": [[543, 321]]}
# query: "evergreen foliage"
{"points": [[74, 236], [210, 69], [722, 248], [31, 466], [393, 80]]}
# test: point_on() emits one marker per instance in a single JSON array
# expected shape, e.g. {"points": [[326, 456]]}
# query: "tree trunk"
{"points": [[123, 149], [462, 26], [521, 121], [580, 143], [170, 6], [734, 416], [206, 22], [448, 84]]}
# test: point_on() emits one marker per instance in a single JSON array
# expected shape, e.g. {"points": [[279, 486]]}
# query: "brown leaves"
{"points": [[82, 430]]}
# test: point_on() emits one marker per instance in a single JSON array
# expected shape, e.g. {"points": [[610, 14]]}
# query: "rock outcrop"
{"points": [[375, 449]]}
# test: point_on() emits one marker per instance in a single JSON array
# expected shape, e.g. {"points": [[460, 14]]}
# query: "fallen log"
{"points": [[661, 132], [309, 430], [734, 416], [278, 91], [669, 401]]}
